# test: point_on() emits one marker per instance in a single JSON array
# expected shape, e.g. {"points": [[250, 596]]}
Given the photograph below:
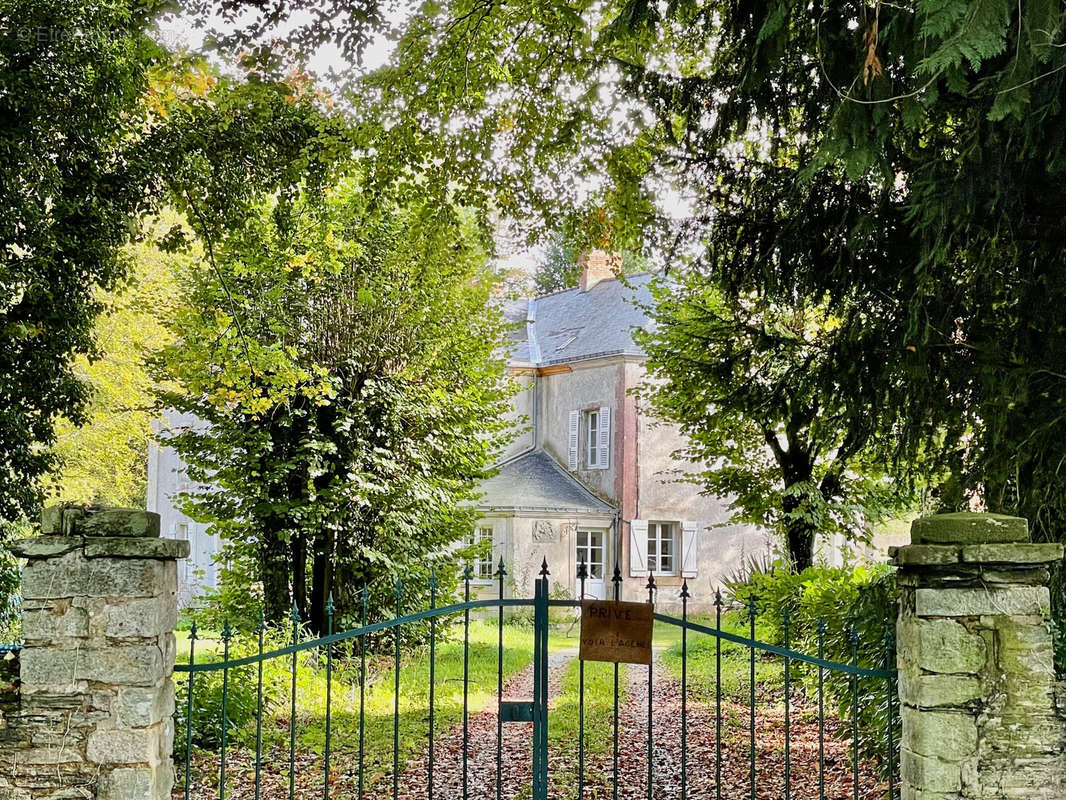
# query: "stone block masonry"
{"points": [[976, 674], [92, 716]]}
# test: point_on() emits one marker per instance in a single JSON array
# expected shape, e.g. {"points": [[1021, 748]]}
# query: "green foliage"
{"points": [[340, 351], [72, 181], [104, 460], [236, 600], [241, 694], [901, 164], [841, 599], [754, 385]]}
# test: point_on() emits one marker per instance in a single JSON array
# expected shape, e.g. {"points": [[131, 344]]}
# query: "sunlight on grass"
{"points": [[736, 666], [599, 715]]}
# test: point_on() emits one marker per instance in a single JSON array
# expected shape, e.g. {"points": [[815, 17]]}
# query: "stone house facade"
{"points": [[592, 475]]}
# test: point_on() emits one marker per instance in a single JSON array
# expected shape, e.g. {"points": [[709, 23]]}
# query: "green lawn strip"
{"points": [[379, 704], [736, 667], [413, 716], [599, 720]]}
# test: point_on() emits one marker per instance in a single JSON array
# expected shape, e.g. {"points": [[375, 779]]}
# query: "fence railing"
{"points": [[864, 720]]}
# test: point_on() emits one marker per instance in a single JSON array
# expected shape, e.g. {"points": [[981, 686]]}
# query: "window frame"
{"points": [[592, 439], [483, 563], [655, 534], [587, 549]]}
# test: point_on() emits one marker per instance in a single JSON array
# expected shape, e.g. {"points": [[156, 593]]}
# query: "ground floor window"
{"points": [[662, 548], [591, 548], [483, 567]]}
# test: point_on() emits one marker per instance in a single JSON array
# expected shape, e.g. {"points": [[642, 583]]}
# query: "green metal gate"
{"points": [[535, 712]]}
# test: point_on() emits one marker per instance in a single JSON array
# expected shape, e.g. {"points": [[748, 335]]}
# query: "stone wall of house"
{"points": [[92, 714], [980, 712]]}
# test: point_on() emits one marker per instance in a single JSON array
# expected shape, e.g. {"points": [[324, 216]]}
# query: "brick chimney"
{"points": [[596, 266]]}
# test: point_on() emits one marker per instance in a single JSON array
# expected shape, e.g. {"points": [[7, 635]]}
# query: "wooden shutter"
{"points": [[690, 549], [638, 548], [605, 438], [572, 445]]}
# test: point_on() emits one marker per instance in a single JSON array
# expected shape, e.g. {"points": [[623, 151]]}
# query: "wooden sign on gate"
{"points": [[616, 632]]}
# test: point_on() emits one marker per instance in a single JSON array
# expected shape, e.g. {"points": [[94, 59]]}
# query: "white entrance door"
{"points": [[591, 546]]}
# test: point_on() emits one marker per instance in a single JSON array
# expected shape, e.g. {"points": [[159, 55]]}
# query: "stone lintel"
{"points": [[47, 546], [969, 528], [40, 547], [977, 601], [123, 547]]}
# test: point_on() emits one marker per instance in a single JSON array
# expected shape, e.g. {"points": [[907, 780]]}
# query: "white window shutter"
{"points": [[572, 454], [690, 549], [638, 548], [605, 437]]}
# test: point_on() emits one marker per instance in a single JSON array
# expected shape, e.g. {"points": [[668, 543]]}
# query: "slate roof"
{"points": [[535, 482], [572, 325]]}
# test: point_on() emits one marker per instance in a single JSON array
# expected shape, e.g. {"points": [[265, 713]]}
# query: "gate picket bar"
{"points": [[537, 712]]}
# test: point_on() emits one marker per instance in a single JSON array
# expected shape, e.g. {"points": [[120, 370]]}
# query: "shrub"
{"points": [[241, 694], [862, 598]]}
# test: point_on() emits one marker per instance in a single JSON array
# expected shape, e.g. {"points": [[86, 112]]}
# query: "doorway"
{"points": [[592, 547]]}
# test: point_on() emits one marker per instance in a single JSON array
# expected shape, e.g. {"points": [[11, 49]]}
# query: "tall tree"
{"points": [[341, 351], [747, 383], [926, 138], [72, 182]]}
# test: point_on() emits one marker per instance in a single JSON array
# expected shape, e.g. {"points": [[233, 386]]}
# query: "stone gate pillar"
{"points": [[94, 717], [976, 675]]}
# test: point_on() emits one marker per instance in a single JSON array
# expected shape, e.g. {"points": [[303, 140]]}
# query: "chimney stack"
{"points": [[596, 266]]}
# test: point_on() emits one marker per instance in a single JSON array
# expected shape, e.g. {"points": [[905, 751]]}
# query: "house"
{"points": [[593, 476], [166, 482]]}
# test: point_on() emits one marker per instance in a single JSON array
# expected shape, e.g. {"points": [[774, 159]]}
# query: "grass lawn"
{"points": [[736, 666], [599, 714], [413, 718]]}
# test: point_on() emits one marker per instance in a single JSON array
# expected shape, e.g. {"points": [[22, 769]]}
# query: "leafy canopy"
{"points": [[72, 182], [339, 352], [745, 381]]}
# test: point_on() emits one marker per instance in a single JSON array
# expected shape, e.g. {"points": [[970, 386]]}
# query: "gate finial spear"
{"points": [[684, 590], [718, 597], [501, 570], [544, 567], [582, 570]]}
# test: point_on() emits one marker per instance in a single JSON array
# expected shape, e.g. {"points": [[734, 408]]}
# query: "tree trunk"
{"points": [[801, 546], [320, 588], [274, 573], [299, 575]]}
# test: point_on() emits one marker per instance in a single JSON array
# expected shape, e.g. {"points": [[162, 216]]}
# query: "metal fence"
{"points": [[869, 684]]}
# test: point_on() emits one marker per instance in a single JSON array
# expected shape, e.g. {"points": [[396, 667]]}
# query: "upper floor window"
{"points": [[597, 438], [662, 548], [593, 447]]}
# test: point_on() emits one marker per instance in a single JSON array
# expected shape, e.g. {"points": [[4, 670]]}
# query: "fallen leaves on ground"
{"points": [[702, 755]]}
